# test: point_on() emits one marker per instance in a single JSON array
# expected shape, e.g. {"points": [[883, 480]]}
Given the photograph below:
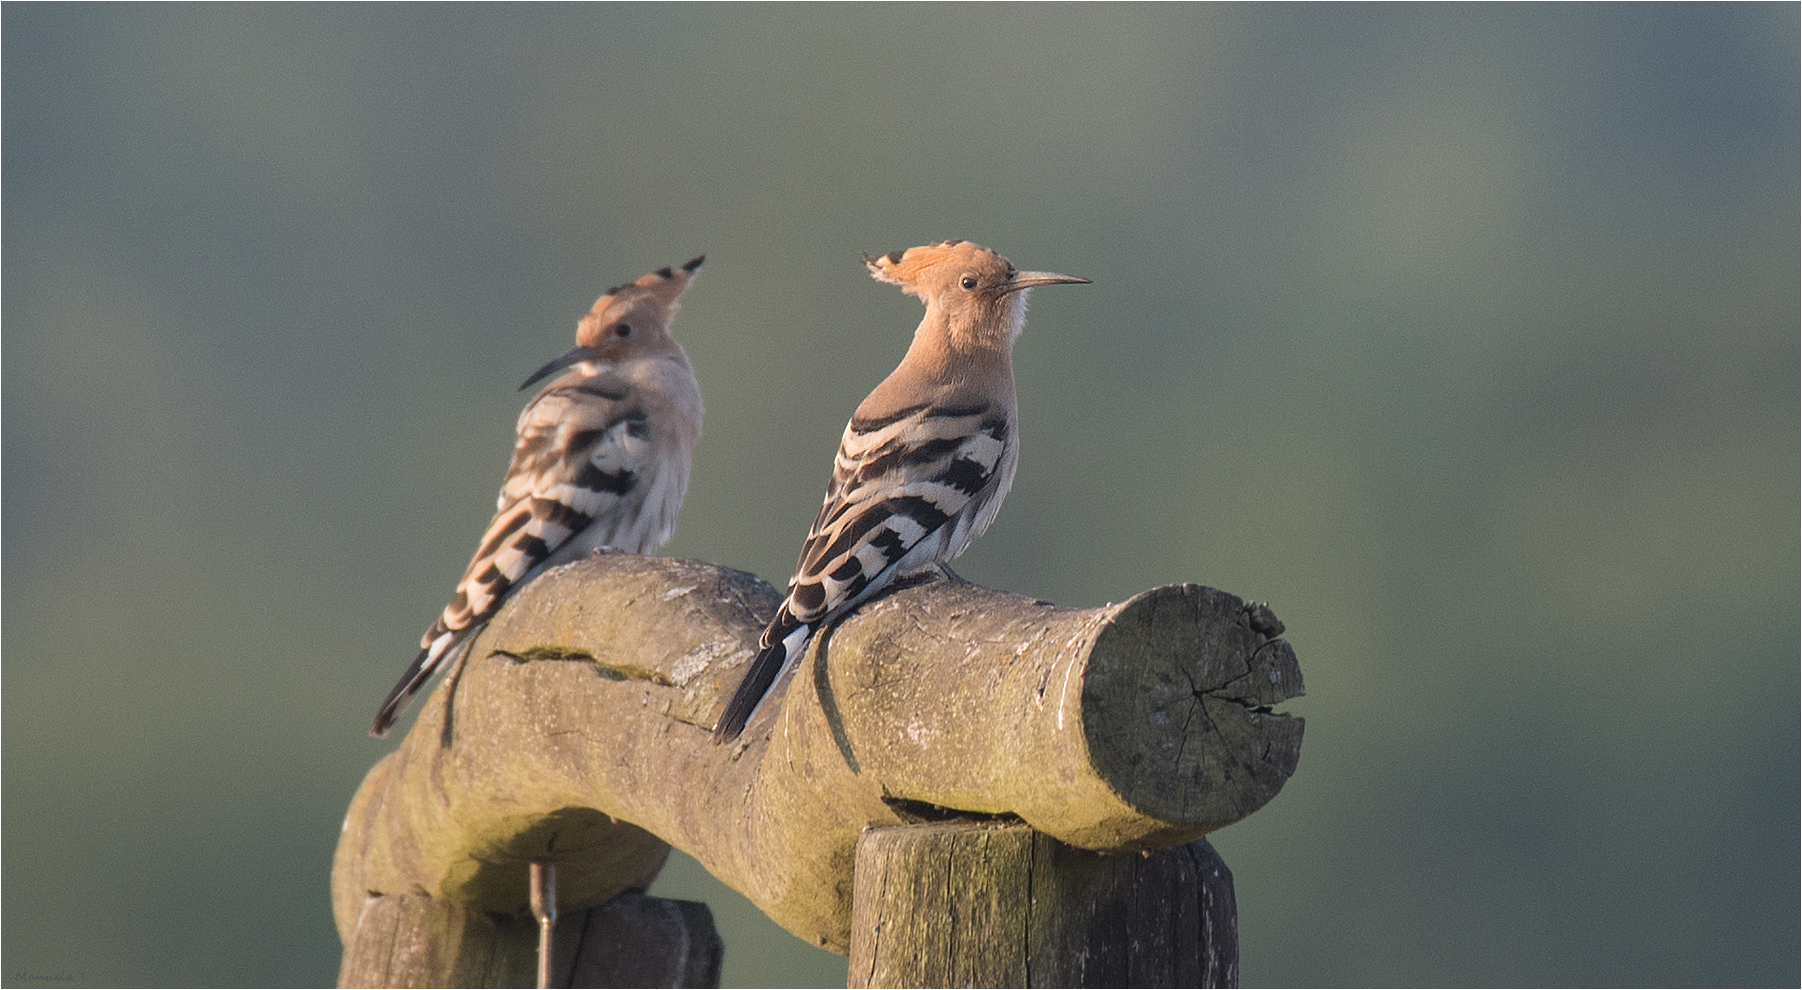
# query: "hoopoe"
{"points": [[925, 461], [601, 462]]}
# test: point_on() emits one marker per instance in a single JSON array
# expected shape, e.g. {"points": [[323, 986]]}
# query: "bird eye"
{"points": [[969, 282], [623, 330]]}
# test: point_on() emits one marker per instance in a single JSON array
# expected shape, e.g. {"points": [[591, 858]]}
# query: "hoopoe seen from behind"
{"points": [[601, 461], [925, 461]]}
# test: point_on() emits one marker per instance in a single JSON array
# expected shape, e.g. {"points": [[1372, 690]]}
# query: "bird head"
{"points": [[973, 289], [629, 321]]}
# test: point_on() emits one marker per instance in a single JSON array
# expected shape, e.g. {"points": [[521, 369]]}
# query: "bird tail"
{"points": [[783, 642], [428, 662]]}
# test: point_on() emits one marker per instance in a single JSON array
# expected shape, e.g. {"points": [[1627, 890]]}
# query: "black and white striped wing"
{"points": [[908, 490], [574, 483]]}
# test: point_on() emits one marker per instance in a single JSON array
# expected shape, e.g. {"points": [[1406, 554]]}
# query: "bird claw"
{"points": [[951, 575]]}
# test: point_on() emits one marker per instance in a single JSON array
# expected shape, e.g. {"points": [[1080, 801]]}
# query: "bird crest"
{"points": [[652, 299], [917, 270]]}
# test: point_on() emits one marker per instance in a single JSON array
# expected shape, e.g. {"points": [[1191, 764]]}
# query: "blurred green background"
{"points": [[1467, 337]]}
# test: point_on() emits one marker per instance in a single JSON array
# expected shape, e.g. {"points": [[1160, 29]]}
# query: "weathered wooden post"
{"points": [[413, 940], [576, 732], [999, 905]]}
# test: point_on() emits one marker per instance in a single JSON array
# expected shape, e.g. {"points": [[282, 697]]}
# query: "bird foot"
{"points": [[951, 575]]}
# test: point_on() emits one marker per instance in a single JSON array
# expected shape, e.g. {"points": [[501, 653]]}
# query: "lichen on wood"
{"points": [[576, 729]]}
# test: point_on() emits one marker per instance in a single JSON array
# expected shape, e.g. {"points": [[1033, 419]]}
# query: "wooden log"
{"points": [[1001, 905], [576, 730], [412, 940]]}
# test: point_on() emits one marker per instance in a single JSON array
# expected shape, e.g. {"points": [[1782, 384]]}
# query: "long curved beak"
{"points": [[576, 356], [1026, 280]]}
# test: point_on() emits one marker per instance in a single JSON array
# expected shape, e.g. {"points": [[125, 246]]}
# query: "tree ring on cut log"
{"points": [[1178, 683]]}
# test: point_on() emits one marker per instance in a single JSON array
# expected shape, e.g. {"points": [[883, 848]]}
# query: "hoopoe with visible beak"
{"points": [[601, 462], [924, 462]]}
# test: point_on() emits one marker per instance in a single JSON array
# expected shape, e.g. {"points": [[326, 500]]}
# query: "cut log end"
{"points": [[1177, 707]]}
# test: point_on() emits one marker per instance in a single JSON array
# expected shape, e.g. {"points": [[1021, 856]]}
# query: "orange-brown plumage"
{"points": [[925, 461], [601, 460]]}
